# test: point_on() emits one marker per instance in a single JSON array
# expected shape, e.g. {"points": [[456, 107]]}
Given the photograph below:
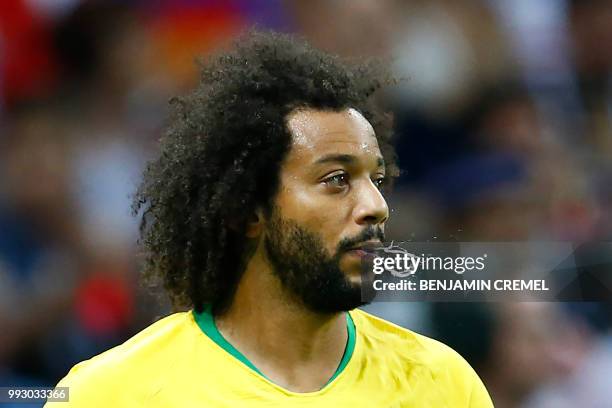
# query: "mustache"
{"points": [[367, 234]]}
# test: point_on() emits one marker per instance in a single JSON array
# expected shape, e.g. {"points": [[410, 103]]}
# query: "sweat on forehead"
{"points": [[311, 126]]}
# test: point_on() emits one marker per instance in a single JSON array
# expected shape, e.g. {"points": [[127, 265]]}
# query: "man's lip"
{"points": [[361, 253], [366, 246]]}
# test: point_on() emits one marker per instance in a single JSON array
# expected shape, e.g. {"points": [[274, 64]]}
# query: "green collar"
{"points": [[206, 322]]}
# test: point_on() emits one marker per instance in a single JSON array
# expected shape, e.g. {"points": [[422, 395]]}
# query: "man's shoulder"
{"points": [[151, 340], [417, 356], [414, 348], [138, 361]]}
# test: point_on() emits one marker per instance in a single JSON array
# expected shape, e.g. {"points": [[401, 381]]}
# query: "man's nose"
{"points": [[370, 207]]}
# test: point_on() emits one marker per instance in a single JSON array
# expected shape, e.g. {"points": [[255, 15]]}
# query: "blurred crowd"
{"points": [[503, 129]]}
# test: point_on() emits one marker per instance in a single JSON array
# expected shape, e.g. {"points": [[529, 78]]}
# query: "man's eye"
{"points": [[339, 180], [380, 182]]}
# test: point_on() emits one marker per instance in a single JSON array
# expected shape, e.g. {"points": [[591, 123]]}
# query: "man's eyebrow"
{"points": [[345, 159]]}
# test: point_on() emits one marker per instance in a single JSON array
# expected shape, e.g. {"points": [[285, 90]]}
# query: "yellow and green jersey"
{"points": [[183, 361]]}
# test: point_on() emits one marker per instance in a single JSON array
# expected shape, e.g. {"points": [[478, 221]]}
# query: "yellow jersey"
{"points": [[181, 361]]}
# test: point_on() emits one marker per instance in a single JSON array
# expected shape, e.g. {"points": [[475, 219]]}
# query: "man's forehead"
{"points": [[317, 129]]}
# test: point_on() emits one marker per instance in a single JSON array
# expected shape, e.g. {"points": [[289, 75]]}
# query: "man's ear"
{"points": [[255, 223]]}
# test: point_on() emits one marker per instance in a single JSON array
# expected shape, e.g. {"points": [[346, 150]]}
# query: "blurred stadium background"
{"points": [[504, 133]]}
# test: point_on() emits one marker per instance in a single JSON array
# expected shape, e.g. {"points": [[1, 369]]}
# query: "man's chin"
{"points": [[355, 280], [347, 299], [337, 307]]}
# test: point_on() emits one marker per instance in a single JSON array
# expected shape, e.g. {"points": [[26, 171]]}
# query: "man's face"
{"points": [[329, 202]]}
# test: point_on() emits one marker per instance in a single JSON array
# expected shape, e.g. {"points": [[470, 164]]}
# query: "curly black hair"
{"points": [[222, 152]]}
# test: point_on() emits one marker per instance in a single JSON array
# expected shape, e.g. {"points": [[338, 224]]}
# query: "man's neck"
{"points": [[292, 346]]}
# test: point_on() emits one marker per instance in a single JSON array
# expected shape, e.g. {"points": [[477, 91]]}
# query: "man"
{"points": [[258, 215]]}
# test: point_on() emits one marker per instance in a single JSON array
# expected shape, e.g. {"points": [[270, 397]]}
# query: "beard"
{"points": [[305, 268]]}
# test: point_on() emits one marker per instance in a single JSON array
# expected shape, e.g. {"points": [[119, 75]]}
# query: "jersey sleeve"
{"points": [[472, 392], [85, 389], [479, 396]]}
